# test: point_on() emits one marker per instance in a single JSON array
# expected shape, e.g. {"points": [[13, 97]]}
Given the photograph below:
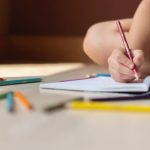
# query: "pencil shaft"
{"points": [[102, 75], [19, 81], [3, 96], [126, 45], [9, 101], [108, 106], [23, 100]]}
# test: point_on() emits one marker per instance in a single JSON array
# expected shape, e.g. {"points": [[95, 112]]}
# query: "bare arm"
{"points": [[102, 38], [139, 35]]}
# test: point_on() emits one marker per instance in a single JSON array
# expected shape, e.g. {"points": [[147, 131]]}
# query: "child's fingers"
{"points": [[121, 69], [121, 58], [120, 77], [138, 58]]}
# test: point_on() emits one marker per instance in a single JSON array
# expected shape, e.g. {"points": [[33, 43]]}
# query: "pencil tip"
{"points": [[136, 77]]}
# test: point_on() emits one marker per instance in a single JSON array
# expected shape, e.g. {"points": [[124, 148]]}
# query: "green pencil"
{"points": [[3, 95], [20, 81]]}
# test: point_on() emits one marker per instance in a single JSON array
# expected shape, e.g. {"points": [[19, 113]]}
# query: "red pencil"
{"points": [[1, 79], [126, 45]]}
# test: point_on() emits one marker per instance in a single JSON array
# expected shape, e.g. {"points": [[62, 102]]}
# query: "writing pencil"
{"points": [[126, 45]]}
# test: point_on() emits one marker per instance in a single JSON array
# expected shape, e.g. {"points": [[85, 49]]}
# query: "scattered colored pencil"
{"points": [[23, 100], [3, 95], [20, 81], [1, 79], [9, 101]]}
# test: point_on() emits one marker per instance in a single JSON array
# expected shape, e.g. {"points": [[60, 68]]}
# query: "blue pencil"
{"points": [[102, 75], [9, 102]]}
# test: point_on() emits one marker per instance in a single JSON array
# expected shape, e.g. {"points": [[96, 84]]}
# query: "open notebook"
{"points": [[99, 84]]}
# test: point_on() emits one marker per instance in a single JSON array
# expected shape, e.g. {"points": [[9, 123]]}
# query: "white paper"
{"points": [[99, 84]]}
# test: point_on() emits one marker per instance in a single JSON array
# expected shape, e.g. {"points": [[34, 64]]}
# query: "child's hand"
{"points": [[121, 67]]}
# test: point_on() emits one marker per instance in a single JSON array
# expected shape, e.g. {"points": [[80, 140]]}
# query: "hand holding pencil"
{"points": [[125, 64]]}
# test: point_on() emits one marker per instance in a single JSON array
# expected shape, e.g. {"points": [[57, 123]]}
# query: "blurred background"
{"points": [[41, 31]]}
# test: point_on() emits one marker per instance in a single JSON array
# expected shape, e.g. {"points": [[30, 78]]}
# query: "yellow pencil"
{"points": [[23, 100], [108, 106]]}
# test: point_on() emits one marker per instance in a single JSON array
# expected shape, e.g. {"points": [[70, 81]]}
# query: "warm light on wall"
{"points": [[4, 16]]}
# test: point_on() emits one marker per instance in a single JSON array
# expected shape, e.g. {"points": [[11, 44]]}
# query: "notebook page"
{"points": [[99, 84], [147, 81]]}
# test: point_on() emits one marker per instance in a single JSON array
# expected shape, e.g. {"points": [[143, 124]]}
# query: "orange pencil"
{"points": [[23, 100]]}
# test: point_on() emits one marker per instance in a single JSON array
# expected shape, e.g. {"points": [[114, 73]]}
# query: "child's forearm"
{"points": [[139, 35], [102, 38]]}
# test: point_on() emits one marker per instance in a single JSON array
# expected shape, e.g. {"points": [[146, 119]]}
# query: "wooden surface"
{"points": [[69, 129]]}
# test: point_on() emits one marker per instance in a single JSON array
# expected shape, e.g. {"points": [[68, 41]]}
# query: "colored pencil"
{"points": [[9, 101], [102, 75], [106, 106], [126, 45], [23, 100], [1, 79], [97, 75], [3, 95], [20, 81]]}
